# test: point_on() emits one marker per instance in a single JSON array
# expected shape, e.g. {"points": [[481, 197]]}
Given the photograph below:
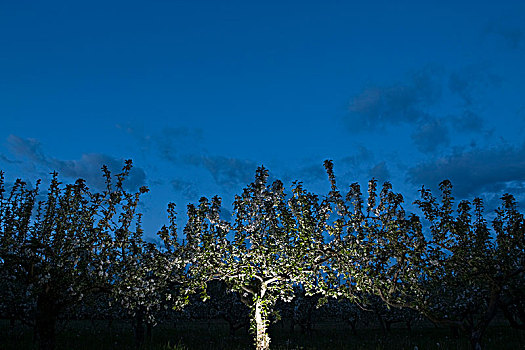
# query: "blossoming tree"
{"points": [[60, 249], [274, 242], [470, 271]]}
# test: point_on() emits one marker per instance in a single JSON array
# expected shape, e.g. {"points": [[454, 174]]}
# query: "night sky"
{"points": [[200, 93]]}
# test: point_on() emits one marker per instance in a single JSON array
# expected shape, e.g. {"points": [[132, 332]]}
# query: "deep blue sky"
{"points": [[199, 93]]}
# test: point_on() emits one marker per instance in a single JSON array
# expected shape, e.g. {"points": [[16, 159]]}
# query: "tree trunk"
{"points": [[231, 327], [12, 321], [409, 325], [475, 340], [149, 333], [353, 324], [138, 328], [262, 338], [454, 331], [309, 326], [381, 322], [476, 332], [45, 325]]}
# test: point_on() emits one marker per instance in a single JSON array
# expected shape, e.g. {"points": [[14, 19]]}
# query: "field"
{"points": [[198, 335]]}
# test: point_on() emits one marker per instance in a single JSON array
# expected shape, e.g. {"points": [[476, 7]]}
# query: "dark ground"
{"points": [[203, 335]]}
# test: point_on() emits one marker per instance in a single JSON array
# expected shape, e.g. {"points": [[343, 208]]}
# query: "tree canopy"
{"points": [[77, 248]]}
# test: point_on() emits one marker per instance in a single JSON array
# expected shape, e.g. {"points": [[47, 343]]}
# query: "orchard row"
{"points": [[448, 263]]}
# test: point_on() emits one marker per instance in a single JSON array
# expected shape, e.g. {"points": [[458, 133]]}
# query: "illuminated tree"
{"points": [[274, 242]]}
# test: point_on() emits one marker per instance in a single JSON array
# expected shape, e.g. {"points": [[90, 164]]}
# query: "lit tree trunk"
{"points": [[263, 340], [261, 323]]}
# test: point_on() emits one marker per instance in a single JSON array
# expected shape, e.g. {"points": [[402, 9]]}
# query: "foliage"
{"points": [[74, 253], [57, 252], [466, 271], [274, 242], [376, 246]]}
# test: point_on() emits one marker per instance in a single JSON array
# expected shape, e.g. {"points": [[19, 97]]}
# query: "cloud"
{"points": [[88, 167], [380, 172], [376, 107], [186, 188], [468, 121], [469, 81], [353, 167], [363, 155], [227, 172], [30, 148], [415, 103], [172, 142], [139, 134], [183, 146], [312, 173], [431, 135], [512, 36], [474, 171], [5, 159]]}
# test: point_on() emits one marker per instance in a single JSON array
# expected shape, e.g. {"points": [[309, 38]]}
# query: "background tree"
{"points": [[60, 249], [467, 271], [376, 246], [509, 260], [147, 281], [15, 215]]}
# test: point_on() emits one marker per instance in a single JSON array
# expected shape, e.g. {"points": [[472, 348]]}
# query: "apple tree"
{"points": [[274, 242], [468, 271], [376, 246], [60, 249]]}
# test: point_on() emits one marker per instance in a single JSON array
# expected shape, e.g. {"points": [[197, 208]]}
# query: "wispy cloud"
{"points": [[174, 142], [29, 148], [5, 159], [227, 172], [470, 81], [171, 143], [183, 146], [405, 102], [185, 188], [88, 167], [380, 172], [313, 173], [474, 171], [139, 134], [363, 154], [511, 35], [414, 103], [431, 135], [468, 121]]}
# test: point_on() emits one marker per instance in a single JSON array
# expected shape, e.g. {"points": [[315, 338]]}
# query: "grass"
{"points": [[196, 335]]}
